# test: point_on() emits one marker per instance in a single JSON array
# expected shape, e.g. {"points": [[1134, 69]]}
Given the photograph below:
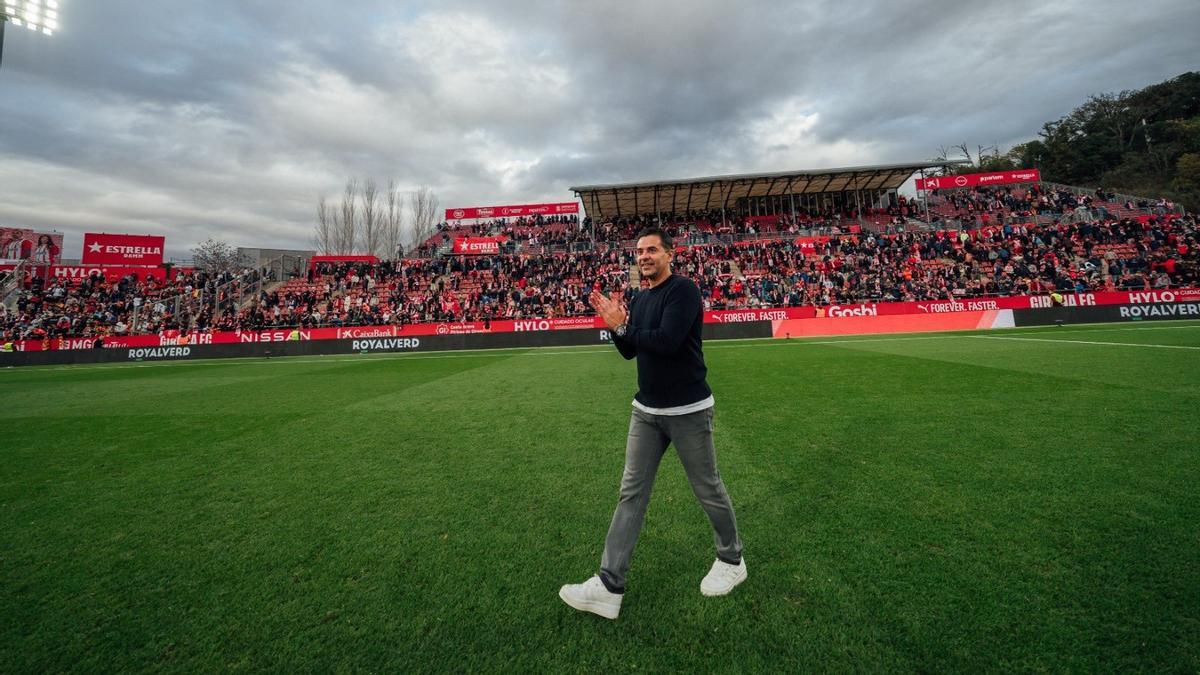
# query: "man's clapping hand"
{"points": [[612, 310]]}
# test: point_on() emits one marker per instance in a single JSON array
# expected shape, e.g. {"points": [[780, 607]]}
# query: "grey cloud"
{"points": [[230, 118]]}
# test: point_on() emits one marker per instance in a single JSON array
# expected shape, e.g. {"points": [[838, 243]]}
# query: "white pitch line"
{"points": [[1075, 328], [1078, 342]]}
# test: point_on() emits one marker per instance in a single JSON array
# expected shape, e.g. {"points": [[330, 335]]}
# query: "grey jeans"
{"points": [[649, 436]]}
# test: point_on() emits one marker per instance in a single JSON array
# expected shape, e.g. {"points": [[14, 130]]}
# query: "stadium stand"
{"points": [[779, 264]]}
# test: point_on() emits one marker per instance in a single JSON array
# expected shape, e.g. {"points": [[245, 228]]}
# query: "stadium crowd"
{"points": [[555, 234], [981, 206], [841, 268], [96, 307]]}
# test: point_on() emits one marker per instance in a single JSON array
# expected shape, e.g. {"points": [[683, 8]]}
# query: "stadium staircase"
{"points": [[735, 270], [250, 298], [10, 285]]}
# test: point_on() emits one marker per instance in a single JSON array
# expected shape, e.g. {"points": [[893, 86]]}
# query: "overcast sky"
{"points": [[229, 118]]}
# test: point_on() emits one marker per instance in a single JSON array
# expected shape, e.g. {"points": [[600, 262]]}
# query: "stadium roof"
{"points": [[714, 192]]}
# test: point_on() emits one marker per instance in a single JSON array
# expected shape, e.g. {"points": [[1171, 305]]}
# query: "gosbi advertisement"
{"points": [[122, 249], [786, 322], [17, 244], [869, 323]]}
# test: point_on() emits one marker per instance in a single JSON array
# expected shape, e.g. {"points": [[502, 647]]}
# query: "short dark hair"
{"points": [[655, 231]]}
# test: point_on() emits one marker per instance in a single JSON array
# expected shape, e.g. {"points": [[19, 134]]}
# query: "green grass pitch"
{"points": [[1025, 499]]}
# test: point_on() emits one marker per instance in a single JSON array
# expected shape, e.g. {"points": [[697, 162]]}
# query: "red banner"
{"points": [[788, 321], [1008, 302], [477, 245], [513, 211], [906, 323], [770, 314], [808, 245], [77, 273], [122, 249], [977, 179]]}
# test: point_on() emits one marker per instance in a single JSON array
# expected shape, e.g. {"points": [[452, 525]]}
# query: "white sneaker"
{"points": [[592, 596], [723, 577]]}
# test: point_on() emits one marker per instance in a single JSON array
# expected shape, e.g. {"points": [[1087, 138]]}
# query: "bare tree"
{"points": [[967, 152], [346, 225], [393, 220], [423, 207], [216, 256], [323, 233], [372, 226]]}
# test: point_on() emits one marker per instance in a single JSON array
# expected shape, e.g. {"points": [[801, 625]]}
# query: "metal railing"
{"points": [[286, 267], [10, 285], [184, 307]]}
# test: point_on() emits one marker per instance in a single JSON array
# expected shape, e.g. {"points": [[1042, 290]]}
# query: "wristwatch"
{"points": [[621, 330]]}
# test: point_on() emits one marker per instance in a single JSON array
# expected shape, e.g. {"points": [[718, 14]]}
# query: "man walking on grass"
{"points": [[673, 405]]}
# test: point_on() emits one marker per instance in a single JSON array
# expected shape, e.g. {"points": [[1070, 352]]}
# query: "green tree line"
{"points": [[1144, 142]]}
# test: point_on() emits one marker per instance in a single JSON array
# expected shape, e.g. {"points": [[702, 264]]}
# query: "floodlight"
{"points": [[39, 16]]}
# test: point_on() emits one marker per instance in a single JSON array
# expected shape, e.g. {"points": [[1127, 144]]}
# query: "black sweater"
{"points": [[663, 332]]}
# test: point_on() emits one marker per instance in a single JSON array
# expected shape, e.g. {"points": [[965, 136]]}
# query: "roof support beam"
{"points": [[829, 182], [750, 189], [771, 186]]}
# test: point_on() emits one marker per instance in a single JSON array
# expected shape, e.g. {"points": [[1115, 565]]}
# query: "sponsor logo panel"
{"points": [[973, 179], [385, 344], [100, 248], [142, 353]]}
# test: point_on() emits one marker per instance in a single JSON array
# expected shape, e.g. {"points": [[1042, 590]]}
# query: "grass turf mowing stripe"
{"points": [[917, 503], [1080, 342]]}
